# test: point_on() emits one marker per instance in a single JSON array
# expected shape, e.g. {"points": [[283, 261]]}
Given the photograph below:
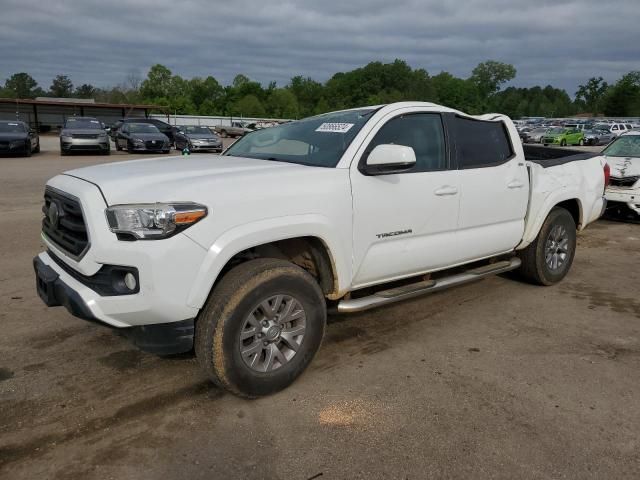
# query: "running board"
{"points": [[393, 295]]}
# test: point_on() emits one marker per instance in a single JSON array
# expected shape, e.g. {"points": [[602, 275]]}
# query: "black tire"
{"points": [[118, 147], [37, 149], [27, 150], [223, 133], [534, 266], [221, 321], [581, 142], [563, 143]]}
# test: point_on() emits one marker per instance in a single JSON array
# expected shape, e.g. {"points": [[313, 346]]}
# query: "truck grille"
{"points": [[63, 222], [623, 182]]}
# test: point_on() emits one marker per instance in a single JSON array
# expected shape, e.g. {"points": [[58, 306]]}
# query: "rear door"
{"points": [[494, 187], [405, 223]]}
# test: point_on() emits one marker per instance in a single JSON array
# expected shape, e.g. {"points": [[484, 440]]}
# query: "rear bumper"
{"points": [[630, 197], [161, 339]]}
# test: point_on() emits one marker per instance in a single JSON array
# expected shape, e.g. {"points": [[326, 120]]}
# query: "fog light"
{"points": [[130, 281]]}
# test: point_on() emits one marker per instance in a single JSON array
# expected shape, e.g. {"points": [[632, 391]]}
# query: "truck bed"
{"points": [[551, 157]]}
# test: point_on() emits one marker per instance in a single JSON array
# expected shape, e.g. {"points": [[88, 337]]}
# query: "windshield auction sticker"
{"points": [[335, 127]]}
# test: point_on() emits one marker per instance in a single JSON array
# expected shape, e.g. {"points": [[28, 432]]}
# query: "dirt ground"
{"points": [[498, 379]]}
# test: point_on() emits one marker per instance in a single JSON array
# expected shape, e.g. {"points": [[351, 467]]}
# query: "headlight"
{"points": [[66, 138], [154, 221], [137, 140]]}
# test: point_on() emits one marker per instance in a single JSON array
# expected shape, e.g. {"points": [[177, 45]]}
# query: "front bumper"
{"points": [[628, 197], [161, 339], [204, 147], [95, 145]]}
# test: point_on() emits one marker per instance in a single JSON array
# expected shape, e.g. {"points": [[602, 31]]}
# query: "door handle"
{"points": [[446, 190], [515, 184]]}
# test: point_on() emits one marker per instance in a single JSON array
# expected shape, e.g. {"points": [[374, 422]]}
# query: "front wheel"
{"points": [[260, 328], [563, 143], [548, 258]]}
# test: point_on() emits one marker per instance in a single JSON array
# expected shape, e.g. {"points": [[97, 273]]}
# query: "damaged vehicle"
{"points": [[239, 257], [623, 192]]}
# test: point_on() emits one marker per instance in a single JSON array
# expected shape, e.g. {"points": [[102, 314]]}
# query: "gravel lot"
{"points": [[498, 379]]}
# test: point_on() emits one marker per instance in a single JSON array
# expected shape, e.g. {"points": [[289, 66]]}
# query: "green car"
{"points": [[563, 137]]}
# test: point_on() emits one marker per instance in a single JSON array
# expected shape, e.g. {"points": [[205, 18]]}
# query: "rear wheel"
{"points": [[37, 149], [548, 258], [260, 328], [581, 142]]}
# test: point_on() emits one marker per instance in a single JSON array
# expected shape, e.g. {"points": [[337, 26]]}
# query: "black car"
{"points": [[197, 138], [16, 138], [163, 127], [141, 137]]}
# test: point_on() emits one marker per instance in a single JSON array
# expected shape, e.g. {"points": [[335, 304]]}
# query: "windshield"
{"points": [[84, 123], [11, 127], [555, 131], [627, 146], [196, 130], [316, 141], [142, 128]]}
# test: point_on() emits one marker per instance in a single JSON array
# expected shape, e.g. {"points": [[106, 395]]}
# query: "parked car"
{"points": [[563, 136], [84, 134], [615, 128], [141, 137], [239, 255], [623, 156], [534, 136], [197, 138], [17, 138], [236, 129], [597, 137], [163, 127]]}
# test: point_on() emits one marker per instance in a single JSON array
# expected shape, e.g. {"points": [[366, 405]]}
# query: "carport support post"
{"points": [[35, 116]]}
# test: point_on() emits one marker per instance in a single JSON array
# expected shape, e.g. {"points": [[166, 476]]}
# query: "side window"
{"points": [[481, 143], [421, 131], [615, 127]]}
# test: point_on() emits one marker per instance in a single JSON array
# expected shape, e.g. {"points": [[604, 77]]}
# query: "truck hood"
{"points": [[624, 166], [179, 178]]}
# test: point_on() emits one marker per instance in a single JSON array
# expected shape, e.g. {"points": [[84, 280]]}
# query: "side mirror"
{"points": [[387, 159]]}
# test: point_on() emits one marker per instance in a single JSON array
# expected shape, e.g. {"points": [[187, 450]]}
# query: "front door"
{"points": [[405, 223]]}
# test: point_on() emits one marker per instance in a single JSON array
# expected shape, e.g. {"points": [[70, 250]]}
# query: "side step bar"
{"points": [[393, 295]]}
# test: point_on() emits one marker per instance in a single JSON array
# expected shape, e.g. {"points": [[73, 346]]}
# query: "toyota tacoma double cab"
{"points": [[240, 256]]}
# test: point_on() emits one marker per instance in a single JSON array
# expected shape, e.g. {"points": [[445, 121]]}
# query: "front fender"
{"points": [[265, 231]]}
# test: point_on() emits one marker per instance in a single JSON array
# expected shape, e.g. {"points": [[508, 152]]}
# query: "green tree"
{"points": [[61, 87], [308, 93], [157, 84], [282, 103], [248, 106], [85, 91], [455, 92], [592, 94], [21, 85], [490, 75], [623, 99]]}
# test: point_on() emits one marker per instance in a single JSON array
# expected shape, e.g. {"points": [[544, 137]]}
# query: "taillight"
{"points": [[607, 174]]}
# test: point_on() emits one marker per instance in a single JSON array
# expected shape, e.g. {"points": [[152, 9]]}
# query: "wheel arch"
{"points": [[572, 204], [314, 250]]}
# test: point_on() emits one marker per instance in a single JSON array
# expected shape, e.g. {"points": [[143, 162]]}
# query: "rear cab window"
{"points": [[481, 143]]}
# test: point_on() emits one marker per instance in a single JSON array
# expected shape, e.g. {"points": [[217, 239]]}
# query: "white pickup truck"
{"points": [[239, 256]]}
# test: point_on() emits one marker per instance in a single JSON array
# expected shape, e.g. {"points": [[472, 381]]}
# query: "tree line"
{"points": [[375, 83]]}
